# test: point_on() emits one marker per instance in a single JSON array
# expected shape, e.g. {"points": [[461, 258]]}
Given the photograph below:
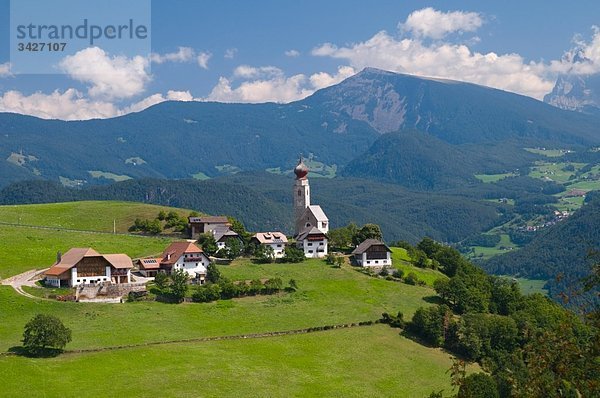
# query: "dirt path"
{"points": [[27, 278]]}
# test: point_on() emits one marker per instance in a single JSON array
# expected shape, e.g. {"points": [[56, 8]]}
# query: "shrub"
{"points": [[293, 255], [255, 287], [429, 323], [273, 285], [207, 293], [478, 385], [161, 281], [330, 258], [228, 289], [398, 274], [213, 275], [412, 279], [394, 321]]}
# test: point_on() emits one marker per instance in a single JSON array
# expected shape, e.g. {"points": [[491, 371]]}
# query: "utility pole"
{"points": [[114, 226]]}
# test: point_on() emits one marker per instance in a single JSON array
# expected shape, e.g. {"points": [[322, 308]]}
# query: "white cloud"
{"points": [[68, 105], [157, 99], [583, 59], [435, 24], [5, 69], [203, 59], [173, 95], [183, 54], [444, 60], [322, 79], [109, 77], [230, 53], [277, 89], [251, 72], [73, 105], [292, 53], [269, 84]]}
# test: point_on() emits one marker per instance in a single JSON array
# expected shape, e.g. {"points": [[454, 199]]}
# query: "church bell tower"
{"points": [[301, 193]]}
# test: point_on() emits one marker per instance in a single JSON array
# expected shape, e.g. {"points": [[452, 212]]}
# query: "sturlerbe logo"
{"points": [[43, 33]]}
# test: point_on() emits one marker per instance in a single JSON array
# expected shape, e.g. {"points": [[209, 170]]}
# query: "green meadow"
{"points": [[551, 153], [401, 261], [362, 361], [326, 296], [25, 248], [88, 215], [487, 178], [531, 286], [373, 361]]}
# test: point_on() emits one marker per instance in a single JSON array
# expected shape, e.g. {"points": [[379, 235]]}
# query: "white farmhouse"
{"points": [[184, 256], [276, 240], [372, 253], [80, 266]]}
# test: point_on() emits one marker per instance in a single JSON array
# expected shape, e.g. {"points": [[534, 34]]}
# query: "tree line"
{"points": [[528, 345]]}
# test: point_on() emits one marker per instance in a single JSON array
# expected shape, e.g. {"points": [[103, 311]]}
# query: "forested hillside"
{"points": [[563, 253], [263, 202], [483, 129]]}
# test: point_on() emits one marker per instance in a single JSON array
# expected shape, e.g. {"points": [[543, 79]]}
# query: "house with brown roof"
{"points": [[202, 225], [223, 234], [313, 242], [184, 256], [372, 253], [86, 266], [275, 240], [574, 193]]}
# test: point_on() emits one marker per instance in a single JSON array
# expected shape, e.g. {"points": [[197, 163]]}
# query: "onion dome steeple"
{"points": [[301, 170]]}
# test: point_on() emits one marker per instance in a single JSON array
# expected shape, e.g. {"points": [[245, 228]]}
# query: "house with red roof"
{"points": [[86, 266], [185, 256]]}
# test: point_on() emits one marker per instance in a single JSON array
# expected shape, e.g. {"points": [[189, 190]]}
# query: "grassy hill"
{"points": [[319, 363], [262, 201], [365, 361], [28, 247], [401, 261], [84, 215], [373, 362]]}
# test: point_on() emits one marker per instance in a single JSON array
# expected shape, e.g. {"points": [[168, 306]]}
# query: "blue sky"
{"points": [[256, 51]]}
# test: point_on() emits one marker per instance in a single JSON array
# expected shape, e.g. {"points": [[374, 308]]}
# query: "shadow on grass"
{"points": [[433, 299], [39, 353], [419, 340], [406, 332]]}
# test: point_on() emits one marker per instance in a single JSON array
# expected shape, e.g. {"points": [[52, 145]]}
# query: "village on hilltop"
{"points": [[100, 275]]}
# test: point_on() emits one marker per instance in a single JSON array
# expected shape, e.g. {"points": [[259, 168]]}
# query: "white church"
{"points": [[312, 224]]}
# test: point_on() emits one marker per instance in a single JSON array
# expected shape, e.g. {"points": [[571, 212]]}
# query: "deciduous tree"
{"points": [[44, 332]]}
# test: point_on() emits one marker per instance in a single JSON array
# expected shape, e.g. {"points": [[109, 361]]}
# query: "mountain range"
{"points": [[474, 128], [576, 93]]}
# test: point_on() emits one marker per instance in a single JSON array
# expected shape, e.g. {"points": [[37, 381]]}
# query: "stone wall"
{"points": [[107, 291]]}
